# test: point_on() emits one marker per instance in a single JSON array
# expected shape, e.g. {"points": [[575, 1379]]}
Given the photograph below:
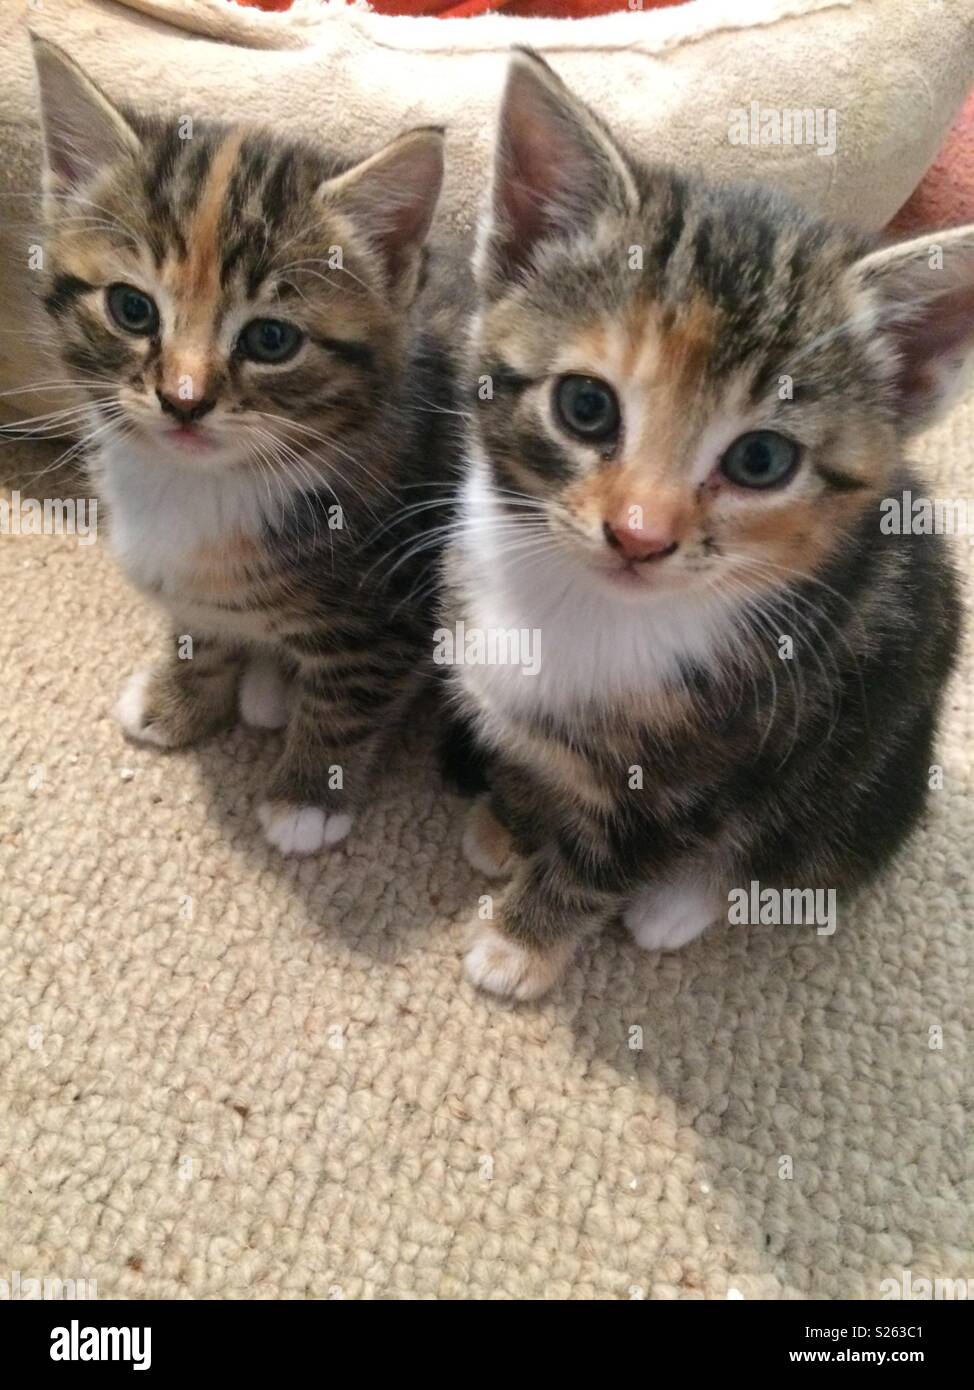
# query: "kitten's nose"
{"points": [[186, 412], [639, 542]]}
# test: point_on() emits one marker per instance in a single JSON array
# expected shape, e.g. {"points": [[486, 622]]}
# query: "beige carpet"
{"points": [[224, 1075]]}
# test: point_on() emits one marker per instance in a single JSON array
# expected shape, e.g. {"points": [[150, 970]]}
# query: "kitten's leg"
{"points": [[666, 916], [504, 825], [183, 699], [323, 774], [266, 695], [524, 952], [488, 845]]}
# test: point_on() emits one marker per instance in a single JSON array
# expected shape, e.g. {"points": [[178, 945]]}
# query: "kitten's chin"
{"points": [[632, 584], [191, 440], [193, 447]]}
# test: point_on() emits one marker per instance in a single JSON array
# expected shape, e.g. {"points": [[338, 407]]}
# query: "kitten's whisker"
{"points": [[749, 615], [73, 451], [818, 615], [300, 468], [765, 603], [440, 536], [311, 228], [57, 386], [431, 408], [329, 443], [461, 524], [406, 514], [113, 217], [761, 567], [303, 268]]}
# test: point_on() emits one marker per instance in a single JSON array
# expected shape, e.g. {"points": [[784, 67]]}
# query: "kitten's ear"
{"points": [[391, 198], [923, 294], [83, 132], [556, 166]]}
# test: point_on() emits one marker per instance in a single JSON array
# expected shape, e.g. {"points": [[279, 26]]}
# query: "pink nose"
{"points": [[639, 542]]}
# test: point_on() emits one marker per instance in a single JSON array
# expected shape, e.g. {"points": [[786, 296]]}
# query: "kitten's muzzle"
{"points": [[637, 544], [186, 412]]}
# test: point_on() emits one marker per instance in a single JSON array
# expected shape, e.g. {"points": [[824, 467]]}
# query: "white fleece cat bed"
{"points": [[890, 73]]}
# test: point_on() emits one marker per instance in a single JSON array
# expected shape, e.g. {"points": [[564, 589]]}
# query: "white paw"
{"points": [[487, 845], [130, 710], [667, 916], [500, 966], [265, 696], [301, 829]]}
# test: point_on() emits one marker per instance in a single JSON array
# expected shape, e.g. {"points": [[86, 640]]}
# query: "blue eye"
{"points": [[269, 340], [760, 459], [132, 310], [587, 408]]}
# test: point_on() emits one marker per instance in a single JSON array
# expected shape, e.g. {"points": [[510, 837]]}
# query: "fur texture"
{"points": [[260, 342], [738, 680]]}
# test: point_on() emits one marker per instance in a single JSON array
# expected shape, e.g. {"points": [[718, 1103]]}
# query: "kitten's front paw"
{"points": [[301, 829], [137, 716], [666, 918], [487, 845], [499, 965], [265, 696]]}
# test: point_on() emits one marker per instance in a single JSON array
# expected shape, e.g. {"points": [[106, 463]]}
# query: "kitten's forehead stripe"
{"points": [[193, 178], [205, 240], [278, 188], [672, 223]]}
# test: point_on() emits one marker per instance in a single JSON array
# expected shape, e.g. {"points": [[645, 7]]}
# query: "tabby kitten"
{"points": [[242, 315], [700, 396]]}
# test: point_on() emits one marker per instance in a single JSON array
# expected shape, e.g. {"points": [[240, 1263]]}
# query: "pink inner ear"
{"points": [[66, 169], [411, 193], [944, 327], [523, 193], [541, 165]]}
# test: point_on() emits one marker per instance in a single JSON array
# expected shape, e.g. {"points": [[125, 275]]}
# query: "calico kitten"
{"points": [[242, 313], [700, 396]]}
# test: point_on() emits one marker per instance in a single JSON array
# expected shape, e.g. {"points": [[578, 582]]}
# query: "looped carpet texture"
{"points": [[227, 1075]]}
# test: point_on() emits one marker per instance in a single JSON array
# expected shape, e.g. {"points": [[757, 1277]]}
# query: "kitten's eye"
{"points": [[269, 340], [132, 310], [760, 459], [587, 408]]}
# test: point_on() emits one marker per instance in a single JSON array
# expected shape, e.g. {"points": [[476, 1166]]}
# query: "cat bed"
{"points": [[702, 84]]}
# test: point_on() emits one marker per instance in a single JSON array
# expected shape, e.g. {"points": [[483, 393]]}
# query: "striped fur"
{"points": [[664, 753], [266, 505]]}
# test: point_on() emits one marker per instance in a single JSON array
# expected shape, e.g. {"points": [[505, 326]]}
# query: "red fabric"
{"points": [[464, 9], [945, 197]]}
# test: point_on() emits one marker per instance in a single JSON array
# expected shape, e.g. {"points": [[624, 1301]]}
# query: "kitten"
{"points": [[242, 315], [700, 396]]}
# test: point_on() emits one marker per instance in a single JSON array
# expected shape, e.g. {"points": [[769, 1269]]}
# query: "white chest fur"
{"points": [[163, 516], [591, 647]]}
